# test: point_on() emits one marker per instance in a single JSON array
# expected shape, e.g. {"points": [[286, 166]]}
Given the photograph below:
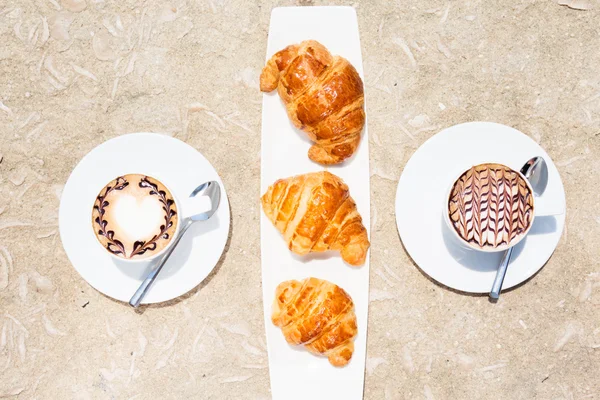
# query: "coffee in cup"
{"points": [[490, 207], [135, 217]]}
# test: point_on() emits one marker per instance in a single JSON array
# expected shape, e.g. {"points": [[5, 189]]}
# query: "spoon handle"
{"points": [[139, 295], [497, 286]]}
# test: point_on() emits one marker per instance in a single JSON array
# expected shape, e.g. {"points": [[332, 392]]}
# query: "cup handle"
{"points": [[191, 206]]}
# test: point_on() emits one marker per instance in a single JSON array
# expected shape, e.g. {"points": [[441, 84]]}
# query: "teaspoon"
{"points": [[210, 189], [536, 172]]}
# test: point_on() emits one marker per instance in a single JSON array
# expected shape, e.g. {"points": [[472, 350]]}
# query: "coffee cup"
{"points": [[136, 217], [489, 207]]}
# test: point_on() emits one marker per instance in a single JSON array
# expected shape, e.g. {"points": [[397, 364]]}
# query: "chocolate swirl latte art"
{"points": [[490, 206], [134, 216]]}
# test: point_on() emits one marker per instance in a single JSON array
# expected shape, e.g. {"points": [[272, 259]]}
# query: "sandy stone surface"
{"points": [[74, 73]]}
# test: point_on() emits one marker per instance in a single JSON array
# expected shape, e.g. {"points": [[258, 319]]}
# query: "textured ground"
{"points": [[75, 73]]}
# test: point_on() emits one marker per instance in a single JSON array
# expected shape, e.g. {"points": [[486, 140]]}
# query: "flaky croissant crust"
{"points": [[317, 314], [315, 213], [323, 95]]}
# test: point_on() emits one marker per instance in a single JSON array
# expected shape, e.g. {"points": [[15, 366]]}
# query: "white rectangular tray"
{"points": [[296, 374]]}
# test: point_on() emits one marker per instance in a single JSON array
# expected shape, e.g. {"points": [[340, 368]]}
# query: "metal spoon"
{"points": [[210, 189], [536, 172]]}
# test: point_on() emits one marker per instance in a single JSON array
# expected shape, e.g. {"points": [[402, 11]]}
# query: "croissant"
{"points": [[323, 95], [317, 314], [315, 212]]}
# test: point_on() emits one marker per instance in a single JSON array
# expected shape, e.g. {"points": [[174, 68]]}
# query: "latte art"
{"points": [[134, 216], [490, 205]]}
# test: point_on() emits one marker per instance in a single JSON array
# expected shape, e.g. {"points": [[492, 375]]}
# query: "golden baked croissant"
{"points": [[315, 212], [323, 95], [317, 314]]}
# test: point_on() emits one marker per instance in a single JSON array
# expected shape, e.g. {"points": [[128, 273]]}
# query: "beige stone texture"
{"points": [[74, 73]]}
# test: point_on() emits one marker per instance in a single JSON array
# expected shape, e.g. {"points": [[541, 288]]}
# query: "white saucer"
{"points": [[182, 169], [419, 205]]}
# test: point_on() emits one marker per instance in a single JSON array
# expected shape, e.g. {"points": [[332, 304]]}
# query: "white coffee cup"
{"points": [[487, 249], [128, 214]]}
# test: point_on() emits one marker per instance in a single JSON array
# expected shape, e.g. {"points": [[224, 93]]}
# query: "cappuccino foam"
{"points": [[490, 206], [134, 216]]}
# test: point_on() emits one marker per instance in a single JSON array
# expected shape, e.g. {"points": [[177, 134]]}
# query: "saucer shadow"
{"points": [[143, 307], [546, 227], [179, 257]]}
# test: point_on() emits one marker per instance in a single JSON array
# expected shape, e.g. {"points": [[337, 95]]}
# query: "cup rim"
{"points": [[462, 241], [154, 256]]}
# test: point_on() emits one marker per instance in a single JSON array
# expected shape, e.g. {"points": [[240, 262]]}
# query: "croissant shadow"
{"points": [[304, 137], [324, 255], [350, 159], [322, 358], [299, 132]]}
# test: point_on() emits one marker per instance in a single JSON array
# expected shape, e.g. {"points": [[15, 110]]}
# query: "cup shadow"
{"points": [[179, 257], [473, 259], [484, 262]]}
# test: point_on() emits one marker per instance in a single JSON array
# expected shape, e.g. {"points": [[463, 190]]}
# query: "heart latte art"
{"points": [[134, 216], [490, 206]]}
